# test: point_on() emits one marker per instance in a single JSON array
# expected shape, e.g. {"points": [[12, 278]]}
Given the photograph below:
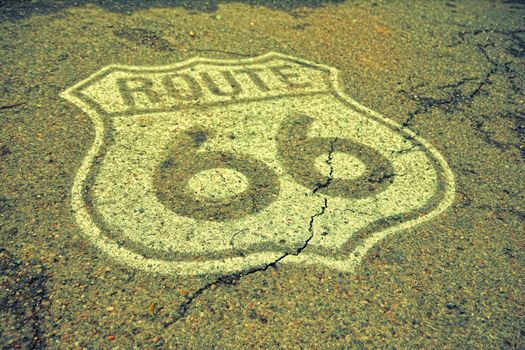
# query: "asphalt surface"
{"points": [[312, 249]]}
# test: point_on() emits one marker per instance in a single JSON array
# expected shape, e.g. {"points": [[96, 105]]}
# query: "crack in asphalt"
{"points": [[488, 136], [223, 51], [404, 150], [233, 278], [330, 166], [512, 77], [450, 104], [232, 241], [458, 95], [13, 105], [384, 177], [226, 183]]}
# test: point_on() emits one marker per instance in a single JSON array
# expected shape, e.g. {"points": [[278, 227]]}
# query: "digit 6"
{"points": [[298, 153], [171, 180]]}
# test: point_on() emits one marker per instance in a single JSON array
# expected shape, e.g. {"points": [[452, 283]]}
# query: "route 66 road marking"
{"points": [[224, 166]]}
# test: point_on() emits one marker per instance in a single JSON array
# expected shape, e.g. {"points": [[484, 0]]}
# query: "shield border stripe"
{"points": [[229, 265]]}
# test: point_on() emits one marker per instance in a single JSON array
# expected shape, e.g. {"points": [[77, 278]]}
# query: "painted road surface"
{"points": [[311, 175], [227, 166]]}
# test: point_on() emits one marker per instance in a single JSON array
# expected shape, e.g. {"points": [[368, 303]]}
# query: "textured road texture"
{"points": [[452, 72]]}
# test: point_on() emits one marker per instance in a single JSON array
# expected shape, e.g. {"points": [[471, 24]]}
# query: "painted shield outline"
{"points": [[230, 265]]}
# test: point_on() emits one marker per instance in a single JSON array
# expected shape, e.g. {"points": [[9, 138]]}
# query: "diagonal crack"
{"points": [[12, 105], [233, 278], [331, 167]]}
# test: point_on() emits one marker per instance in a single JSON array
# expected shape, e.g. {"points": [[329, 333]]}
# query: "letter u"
{"points": [[217, 88]]}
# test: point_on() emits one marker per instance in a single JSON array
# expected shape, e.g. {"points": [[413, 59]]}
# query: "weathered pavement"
{"points": [[452, 73]]}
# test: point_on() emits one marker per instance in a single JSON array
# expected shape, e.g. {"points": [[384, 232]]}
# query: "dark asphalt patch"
{"points": [[144, 37], [22, 293], [14, 9]]}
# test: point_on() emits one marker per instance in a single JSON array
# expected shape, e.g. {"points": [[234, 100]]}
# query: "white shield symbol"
{"points": [[226, 166]]}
